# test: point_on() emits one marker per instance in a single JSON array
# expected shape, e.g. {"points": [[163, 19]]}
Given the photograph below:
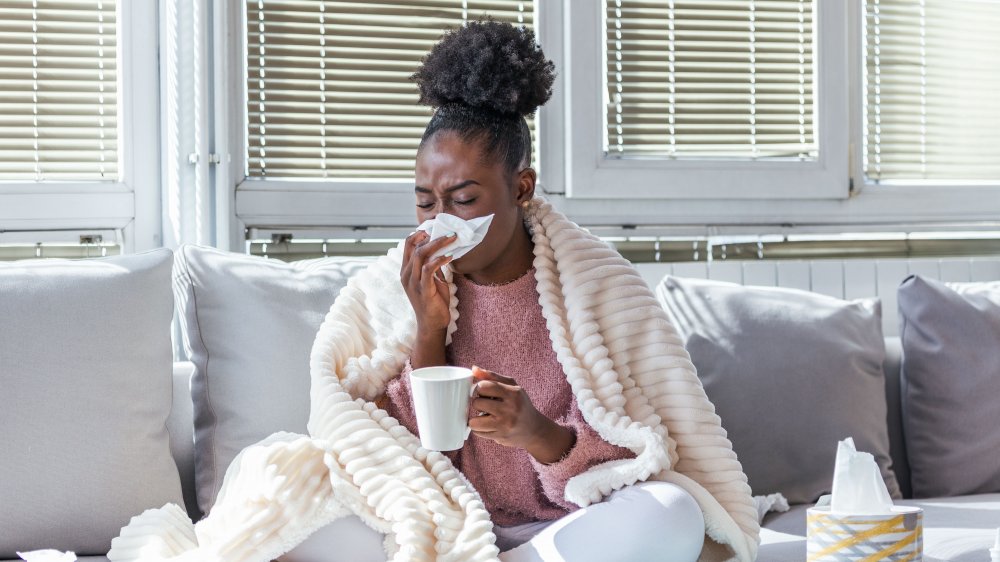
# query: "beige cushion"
{"points": [[248, 327], [951, 385], [85, 373], [790, 373]]}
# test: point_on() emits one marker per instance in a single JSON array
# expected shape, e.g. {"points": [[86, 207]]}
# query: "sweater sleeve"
{"points": [[589, 450], [399, 399]]}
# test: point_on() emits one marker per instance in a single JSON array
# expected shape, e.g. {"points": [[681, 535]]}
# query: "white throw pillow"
{"points": [[86, 377], [248, 325]]}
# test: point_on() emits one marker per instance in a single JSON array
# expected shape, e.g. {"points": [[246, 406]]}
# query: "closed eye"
{"points": [[425, 206], [466, 202]]}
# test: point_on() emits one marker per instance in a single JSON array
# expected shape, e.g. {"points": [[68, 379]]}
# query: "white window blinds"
{"points": [[328, 88], [710, 78], [932, 90], [59, 95]]}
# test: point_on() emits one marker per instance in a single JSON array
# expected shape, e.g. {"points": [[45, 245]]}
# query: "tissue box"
{"points": [[842, 537]]}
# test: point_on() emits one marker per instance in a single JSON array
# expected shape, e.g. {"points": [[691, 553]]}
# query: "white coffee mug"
{"points": [[441, 402]]}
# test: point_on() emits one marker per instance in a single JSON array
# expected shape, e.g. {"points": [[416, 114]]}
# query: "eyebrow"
{"points": [[450, 189]]}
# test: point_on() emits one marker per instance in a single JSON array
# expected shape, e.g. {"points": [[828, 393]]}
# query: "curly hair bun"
{"points": [[487, 64]]}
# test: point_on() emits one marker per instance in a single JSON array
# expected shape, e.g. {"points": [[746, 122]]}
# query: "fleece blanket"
{"points": [[631, 376]]}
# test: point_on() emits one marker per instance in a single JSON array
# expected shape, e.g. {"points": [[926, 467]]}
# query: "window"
{"points": [[331, 121], [56, 244], [79, 118], [707, 99], [932, 81], [59, 110], [328, 89], [718, 116], [709, 79]]}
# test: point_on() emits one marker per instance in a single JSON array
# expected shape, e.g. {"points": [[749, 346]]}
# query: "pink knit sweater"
{"points": [[501, 329]]}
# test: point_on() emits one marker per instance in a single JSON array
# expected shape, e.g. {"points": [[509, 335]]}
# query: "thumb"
{"points": [[481, 374]]}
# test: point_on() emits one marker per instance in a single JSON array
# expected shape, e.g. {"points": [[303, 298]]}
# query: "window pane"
{"points": [[59, 101], [328, 83], [710, 78], [932, 82]]}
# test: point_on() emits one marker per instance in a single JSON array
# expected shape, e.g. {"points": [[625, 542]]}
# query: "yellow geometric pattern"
{"points": [[865, 538]]}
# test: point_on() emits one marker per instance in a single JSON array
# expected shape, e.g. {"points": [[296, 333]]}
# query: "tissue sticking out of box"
{"points": [[858, 487], [47, 556], [861, 523]]}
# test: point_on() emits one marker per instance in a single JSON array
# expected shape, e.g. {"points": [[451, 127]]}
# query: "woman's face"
{"points": [[451, 178]]}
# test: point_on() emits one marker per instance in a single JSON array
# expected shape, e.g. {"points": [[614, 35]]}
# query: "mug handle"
{"points": [[472, 393]]}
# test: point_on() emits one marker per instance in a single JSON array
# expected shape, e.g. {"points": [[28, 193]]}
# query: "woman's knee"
{"points": [[665, 519]]}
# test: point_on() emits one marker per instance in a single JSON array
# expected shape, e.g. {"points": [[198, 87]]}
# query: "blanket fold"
{"points": [[632, 378]]}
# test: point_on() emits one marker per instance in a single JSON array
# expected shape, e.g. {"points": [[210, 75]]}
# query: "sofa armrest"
{"points": [[180, 424]]}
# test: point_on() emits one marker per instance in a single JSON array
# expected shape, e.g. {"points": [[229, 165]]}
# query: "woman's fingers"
{"points": [[483, 375], [408, 248], [493, 389], [423, 252], [428, 271], [487, 406], [483, 425]]}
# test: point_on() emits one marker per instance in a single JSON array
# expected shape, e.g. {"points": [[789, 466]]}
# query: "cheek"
{"points": [[501, 231]]}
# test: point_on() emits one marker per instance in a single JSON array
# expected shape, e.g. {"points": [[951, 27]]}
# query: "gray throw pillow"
{"points": [[248, 325], [790, 373], [951, 385], [86, 378]]}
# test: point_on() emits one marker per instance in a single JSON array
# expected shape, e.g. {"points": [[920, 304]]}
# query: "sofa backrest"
{"points": [[844, 279], [838, 278]]}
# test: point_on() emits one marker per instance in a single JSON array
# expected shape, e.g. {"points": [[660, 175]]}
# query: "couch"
{"points": [[957, 527]]}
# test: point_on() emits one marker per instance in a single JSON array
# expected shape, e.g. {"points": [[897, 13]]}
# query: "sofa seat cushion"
{"points": [[960, 528]]}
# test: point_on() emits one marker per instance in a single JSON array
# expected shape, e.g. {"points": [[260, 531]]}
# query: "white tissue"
{"points": [[858, 488], [47, 556], [470, 232]]}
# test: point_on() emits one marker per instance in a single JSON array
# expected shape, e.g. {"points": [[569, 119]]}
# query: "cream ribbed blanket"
{"points": [[632, 378]]}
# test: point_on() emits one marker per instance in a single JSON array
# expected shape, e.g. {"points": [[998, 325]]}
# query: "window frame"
{"points": [[131, 204], [270, 205], [337, 202], [661, 178]]}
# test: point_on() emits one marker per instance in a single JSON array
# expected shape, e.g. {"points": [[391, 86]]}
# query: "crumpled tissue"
{"points": [[858, 487], [470, 232], [47, 555]]}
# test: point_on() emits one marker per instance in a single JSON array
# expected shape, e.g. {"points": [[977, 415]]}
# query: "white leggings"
{"points": [[654, 521]]}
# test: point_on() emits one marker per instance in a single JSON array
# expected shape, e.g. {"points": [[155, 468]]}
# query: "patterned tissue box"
{"points": [[834, 537]]}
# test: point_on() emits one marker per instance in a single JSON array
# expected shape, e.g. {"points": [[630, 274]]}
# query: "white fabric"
{"points": [[48, 555], [771, 502], [629, 372], [650, 521], [654, 521]]}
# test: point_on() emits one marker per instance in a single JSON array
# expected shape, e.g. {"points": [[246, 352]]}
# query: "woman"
{"points": [[592, 436], [530, 437]]}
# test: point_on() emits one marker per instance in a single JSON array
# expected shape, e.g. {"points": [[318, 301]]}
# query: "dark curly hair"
{"points": [[484, 78]]}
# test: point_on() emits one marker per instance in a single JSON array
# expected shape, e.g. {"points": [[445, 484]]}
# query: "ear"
{"points": [[524, 185]]}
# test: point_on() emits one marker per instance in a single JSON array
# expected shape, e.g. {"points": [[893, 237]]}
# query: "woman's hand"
{"points": [[507, 416], [428, 294]]}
